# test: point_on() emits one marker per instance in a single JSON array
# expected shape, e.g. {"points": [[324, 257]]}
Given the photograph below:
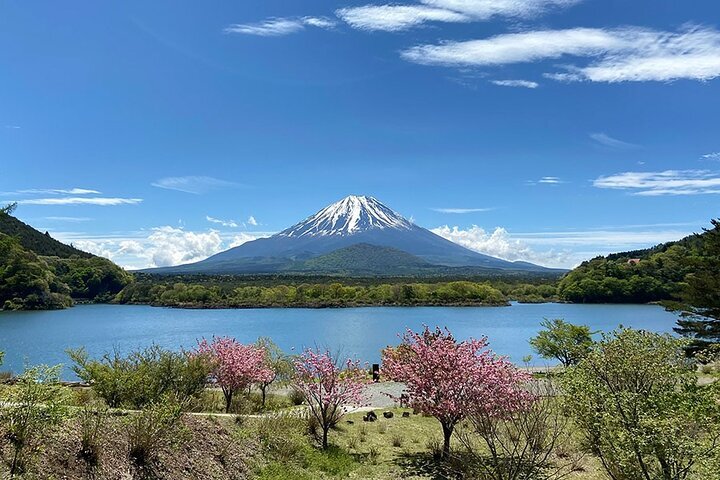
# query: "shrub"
{"points": [[296, 396], [636, 399], [397, 441], [31, 408], [92, 418], [151, 430], [520, 445], [142, 377]]}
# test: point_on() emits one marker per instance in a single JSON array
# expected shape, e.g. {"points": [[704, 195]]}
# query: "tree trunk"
{"points": [[263, 388], [228, 400], [447, 433], [325, 436]]}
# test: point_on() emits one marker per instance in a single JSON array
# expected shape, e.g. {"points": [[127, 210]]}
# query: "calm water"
{"points": [[42, 337]]}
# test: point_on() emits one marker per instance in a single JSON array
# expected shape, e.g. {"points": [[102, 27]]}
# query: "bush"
{"points": [[151, 430], [296, 396], [142, 377], [520, 445], [636, 399], [92, 418], [31, 408]]}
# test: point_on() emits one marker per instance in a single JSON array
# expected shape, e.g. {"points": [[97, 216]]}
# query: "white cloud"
{"points": [[193, 184], [461, 210], [711, 156], [224, 223], [615, 55], [563, 248], [53, 191], [243, 237], [161, 246], [516, 83], [12, 127], [608, 141], [546, 181], [68, 219], [668, 182], [251, 221], [102, 201], [499, 243], [393, 17], [275, 27]]}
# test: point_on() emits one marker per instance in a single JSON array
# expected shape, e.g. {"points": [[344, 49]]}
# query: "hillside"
{"points": [[654, 274], [363, 258], [39, 243], [37, 272]]}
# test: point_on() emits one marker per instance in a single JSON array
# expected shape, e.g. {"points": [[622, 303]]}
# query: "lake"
{"points": [[42, 337]]}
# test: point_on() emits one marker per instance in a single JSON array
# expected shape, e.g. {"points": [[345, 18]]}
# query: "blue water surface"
{"points": [[43, 337]]}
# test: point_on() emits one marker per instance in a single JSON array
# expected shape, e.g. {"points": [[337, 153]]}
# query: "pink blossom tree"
{"points": [[235, 366], [328, 387], [449, 379]]}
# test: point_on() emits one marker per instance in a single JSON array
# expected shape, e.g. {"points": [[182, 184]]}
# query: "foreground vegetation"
{"points": [[628, 406]]}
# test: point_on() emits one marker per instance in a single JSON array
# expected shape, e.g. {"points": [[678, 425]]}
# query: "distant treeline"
{"points": [[310, 294]]}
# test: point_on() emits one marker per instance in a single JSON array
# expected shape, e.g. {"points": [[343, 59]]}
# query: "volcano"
{"points": [[341, 238]]}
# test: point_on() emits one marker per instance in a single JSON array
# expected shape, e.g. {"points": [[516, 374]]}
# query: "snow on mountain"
{"points": [[352, 214], [352, 221]]}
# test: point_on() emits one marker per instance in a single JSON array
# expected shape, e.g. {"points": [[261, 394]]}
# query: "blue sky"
{"points": [[547, 130]]}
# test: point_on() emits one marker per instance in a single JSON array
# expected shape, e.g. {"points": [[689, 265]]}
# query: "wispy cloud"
{"points": [[711, 156], [516, 83], [224, 223], [53, 191], [461, 210], [275, 27], [193, 184], [546, 181], [101, 201], [668, 182], [608, 141], [615, 55], [68, 219], [12, 127], [251, 221], [398, 17]]}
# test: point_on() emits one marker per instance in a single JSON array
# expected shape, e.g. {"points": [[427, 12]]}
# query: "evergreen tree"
{"points": [[701, 318]]}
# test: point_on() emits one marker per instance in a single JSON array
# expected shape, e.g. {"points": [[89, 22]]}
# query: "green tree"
{"points": [[9, 208], [636, 399], [701, 319], [563, 341]]}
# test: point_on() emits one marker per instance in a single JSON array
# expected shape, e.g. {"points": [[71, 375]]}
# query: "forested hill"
{"points": [[38, 272], [639, 276], [39, 243]]}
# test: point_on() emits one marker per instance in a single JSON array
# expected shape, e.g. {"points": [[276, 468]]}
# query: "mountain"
{"points": [[40, 243], [351, 221]]}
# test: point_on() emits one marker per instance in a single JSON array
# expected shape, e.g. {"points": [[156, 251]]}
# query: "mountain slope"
{"points": [[38, 272], [33, 240], [350, 221], [364, 258]]}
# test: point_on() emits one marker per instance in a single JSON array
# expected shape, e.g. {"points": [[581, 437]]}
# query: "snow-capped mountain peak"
{"points": [[353, 214]]}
